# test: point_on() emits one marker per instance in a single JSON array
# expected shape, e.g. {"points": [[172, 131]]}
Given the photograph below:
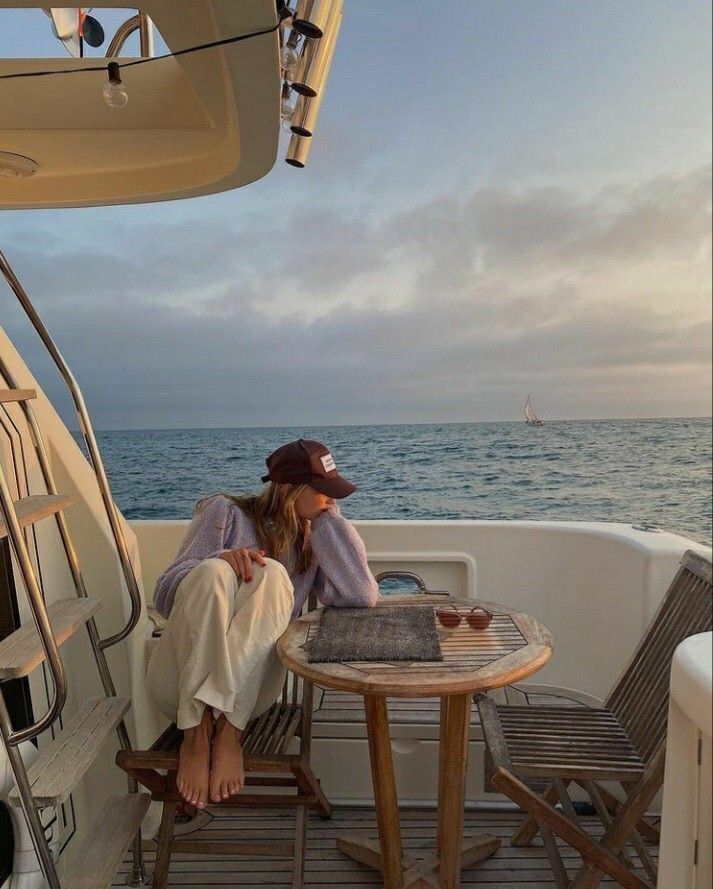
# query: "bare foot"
{"points": [[192, 780], [227, 772]]}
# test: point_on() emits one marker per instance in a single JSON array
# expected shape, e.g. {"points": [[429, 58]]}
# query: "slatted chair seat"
{"points": [[267, 735], [564, 742], [272, 733]]}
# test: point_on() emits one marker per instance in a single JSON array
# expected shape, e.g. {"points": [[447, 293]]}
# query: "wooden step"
{"points": [[63, 763], [31, 509], [7, 395], [22, 651], [94, 864]]}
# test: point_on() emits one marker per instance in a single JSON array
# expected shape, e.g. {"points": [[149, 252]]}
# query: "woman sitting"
{"points": [[244, 570]]}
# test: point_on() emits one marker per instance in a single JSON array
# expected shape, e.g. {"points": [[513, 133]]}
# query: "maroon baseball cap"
{"points": [[306, 462]]}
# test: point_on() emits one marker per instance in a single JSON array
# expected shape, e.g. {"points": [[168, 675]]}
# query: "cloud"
{"points": [[450, 310]]}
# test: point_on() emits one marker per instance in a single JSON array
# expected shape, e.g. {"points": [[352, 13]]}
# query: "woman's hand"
{"points": [[241, 561]]}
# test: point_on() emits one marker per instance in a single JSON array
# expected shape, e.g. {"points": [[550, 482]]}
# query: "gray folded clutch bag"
{"points": [[385, 633]]}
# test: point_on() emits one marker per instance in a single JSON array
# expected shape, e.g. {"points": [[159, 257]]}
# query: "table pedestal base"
{"points": [[417, 874], [453, 853]]}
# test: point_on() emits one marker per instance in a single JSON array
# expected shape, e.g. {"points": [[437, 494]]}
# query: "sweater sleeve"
{"points": [[343, 578], [205, 539]]}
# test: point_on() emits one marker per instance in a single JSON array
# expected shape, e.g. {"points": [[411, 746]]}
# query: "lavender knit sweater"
{"points": [[339, 573]]}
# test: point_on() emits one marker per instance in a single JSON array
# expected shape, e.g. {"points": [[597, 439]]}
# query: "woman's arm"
{"points": [[205, 539], [343, 577]]}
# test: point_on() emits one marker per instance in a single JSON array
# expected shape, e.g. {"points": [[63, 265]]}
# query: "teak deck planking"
{"points": [[327, 867]]}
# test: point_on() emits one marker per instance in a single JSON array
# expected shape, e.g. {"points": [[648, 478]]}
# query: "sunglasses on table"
{"points": [[477, 618]]}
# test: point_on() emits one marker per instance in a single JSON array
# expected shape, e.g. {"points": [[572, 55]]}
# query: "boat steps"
{"points": [[63, 763], [36, 507], [8, 395], [22, 651], [94, 864]]}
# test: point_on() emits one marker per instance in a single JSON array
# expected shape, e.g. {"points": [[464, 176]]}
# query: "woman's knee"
{"points": [[276, 575], [276, 571], [277, 580], [210, 579]]}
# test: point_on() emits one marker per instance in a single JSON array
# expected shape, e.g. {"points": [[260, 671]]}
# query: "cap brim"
{"points": [[336, 487]]}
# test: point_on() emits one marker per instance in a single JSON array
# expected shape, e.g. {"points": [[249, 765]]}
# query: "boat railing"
{"points": [[87, 431], [140, 23]]}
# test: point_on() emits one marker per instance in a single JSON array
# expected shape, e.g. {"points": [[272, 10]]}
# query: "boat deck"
{"points": [[327, 867]]}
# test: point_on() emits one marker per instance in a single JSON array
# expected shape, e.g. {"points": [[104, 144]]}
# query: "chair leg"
{"points": [[604, 816], [529, 828], [567, 804], [308, 782], [591, 851], [298, 863], [625, 822], [639, 834], [645, 858], [163, 851], [553, 853]]}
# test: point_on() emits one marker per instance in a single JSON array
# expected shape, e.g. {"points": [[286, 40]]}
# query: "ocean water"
{"points": [[656, 471]]}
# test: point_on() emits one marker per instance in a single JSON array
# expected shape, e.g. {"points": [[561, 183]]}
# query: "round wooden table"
{"points": [[514, 647]]}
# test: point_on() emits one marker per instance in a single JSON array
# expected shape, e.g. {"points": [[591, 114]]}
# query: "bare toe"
{"points": [[226, 761], [194, 763]]}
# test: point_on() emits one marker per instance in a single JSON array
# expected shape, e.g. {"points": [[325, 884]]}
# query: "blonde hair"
{"points": [[280, 531]]}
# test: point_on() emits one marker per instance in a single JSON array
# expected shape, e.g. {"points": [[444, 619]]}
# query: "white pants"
{"points": [[218, 648]]}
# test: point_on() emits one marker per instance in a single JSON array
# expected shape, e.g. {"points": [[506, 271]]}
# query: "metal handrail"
{"points": [[139, 22], [42, 622], [85, 426], [62, 527], [139, 872], [39, 841]]}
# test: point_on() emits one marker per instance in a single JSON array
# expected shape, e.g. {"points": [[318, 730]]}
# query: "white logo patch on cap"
{"points": [[328, 462]]}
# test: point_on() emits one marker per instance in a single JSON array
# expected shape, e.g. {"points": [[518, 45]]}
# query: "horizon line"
{"points": [[430, 423]]}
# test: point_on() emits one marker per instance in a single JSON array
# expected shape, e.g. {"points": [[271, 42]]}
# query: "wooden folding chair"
{"points": [[267, 765], [623, 741]]}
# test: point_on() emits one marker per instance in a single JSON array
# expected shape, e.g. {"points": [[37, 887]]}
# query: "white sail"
{"points": [[531, 417]]}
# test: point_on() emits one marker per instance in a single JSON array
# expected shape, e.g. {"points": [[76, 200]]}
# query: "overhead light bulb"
{"points": [[290, 59], [287, 106], [114, 92]]}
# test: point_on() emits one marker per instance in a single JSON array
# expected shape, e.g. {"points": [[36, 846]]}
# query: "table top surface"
{"points": [[513, 647]]}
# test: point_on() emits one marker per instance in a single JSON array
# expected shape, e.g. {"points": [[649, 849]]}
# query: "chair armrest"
{"points": [[555, 691], [493, 732]]}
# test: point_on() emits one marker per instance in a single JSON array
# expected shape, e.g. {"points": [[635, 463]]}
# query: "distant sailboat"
{"points": [[531, 417]]}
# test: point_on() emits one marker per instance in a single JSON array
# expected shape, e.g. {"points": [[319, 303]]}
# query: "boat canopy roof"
{"points": [[195, 124]]}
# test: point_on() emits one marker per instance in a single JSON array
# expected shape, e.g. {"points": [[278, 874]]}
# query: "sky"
{"points": [[504, 197]]}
